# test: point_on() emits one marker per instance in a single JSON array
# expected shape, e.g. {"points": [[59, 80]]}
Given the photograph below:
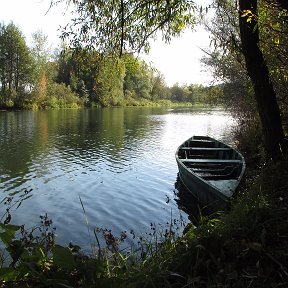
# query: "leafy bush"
{"points": [[61, 96]]}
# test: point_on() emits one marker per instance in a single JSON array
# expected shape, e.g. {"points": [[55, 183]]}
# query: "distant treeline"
{"points": [[34, 78]]}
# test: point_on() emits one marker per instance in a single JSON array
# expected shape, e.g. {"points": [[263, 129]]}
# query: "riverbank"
{"points": [[161, 103], [141, 102], [245, 247]]}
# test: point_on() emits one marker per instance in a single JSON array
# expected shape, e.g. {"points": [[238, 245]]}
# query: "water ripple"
{"points": [[119, 161]]}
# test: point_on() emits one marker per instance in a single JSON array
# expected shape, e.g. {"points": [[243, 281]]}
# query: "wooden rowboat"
{"points": [[210, 169]]}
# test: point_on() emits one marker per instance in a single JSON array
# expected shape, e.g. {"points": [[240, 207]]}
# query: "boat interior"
{"points": [[210, 159]]}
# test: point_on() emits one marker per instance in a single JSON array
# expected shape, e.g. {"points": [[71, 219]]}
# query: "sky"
{"points": [[178, 61]]}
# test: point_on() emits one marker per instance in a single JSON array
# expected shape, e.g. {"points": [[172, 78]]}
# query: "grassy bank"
{"points": [[159, 103], [142, 102], [55, 103], [245, 247]]}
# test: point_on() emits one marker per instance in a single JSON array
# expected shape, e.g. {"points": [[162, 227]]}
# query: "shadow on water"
{"points": [[190, 205]]}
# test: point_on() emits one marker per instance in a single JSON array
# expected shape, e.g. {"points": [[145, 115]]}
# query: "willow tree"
{"points": [[125, 25]]}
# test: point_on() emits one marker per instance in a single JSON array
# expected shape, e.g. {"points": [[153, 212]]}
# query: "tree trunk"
{"points": [[268, 109]]}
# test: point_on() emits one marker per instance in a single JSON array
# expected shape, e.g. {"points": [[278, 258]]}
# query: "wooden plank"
{"points": [[200, 141], [220, 161], [204, 149], [227, 169], [193, 166], [217, 177]]}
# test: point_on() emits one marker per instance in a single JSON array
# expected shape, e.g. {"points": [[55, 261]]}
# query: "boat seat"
{"points": [[222, 170], [210, 161], [205, 149], [207, 165], [210, 176], [201, 141], [217, 177]]}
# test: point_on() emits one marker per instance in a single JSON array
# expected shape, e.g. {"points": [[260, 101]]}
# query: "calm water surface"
{"points": [[120, 161]]}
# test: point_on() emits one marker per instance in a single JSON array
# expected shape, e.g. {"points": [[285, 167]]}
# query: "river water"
{"points": [[119, 161]]}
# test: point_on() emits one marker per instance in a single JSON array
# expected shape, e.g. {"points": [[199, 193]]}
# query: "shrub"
{"points": [[61, 96]]}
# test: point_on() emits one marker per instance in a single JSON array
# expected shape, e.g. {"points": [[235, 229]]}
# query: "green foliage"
{"points": [[273, 27], [79, 69], [83, 76], [15, 66], [33, 258], [138, 78], [114, 26], [27, 77], [63, 257], [159, 89], [229, 59], [61, 96], [110, 82], [178, 93], [227, 62], [7, 233], [209, 95], [120, 82], [40, 53], [91, 76]]}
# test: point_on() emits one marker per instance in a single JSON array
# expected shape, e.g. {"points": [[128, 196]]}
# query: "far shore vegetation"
{"points": [[245, 246], [34, 78]]}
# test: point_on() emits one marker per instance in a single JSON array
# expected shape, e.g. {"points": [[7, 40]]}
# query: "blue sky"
{"points": [[179, 61]]}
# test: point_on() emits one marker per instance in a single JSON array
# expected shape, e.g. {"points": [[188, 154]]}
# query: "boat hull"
{"points": [[205, 194]]}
